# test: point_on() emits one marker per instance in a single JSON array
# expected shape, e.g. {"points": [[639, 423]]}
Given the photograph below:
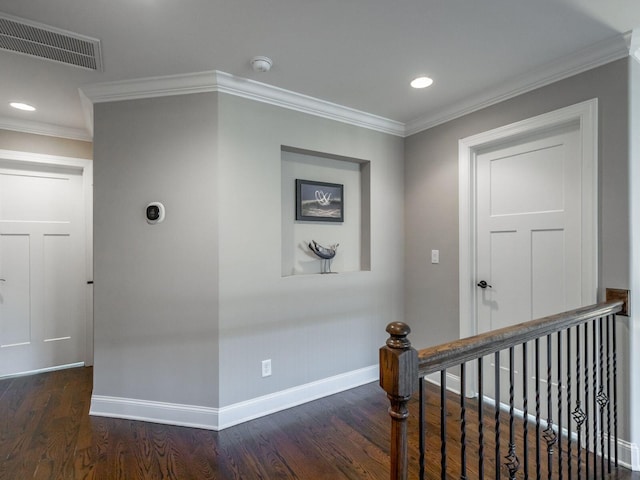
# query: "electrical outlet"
{"points": [[266, 368], [435, 256]]}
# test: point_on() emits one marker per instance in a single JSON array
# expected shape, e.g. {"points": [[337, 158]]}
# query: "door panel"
{"points": [[528, 230], [42, 260], [15, 289], [547, 272], [60, 304], [528, 238]]}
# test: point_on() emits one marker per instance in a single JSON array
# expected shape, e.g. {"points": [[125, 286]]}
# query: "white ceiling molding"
{"points": [[40, 128], [280, 97], [599, 54], [216, 81], [151, 87]]}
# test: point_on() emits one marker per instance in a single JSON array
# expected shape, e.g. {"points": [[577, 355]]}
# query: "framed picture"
{"points": [[319, 201]]}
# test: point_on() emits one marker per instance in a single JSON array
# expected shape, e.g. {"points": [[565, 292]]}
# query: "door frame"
{"points": [[585, 116], [85, 168]]}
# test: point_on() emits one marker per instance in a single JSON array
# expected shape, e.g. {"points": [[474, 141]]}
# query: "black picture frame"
{"points": [[319, 201]]}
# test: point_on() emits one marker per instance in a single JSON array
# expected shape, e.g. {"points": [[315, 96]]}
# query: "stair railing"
{"points": [[572, 353]]}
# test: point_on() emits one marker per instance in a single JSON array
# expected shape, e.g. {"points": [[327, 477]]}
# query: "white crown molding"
{"points": [[594, 56], [601, 53], [216, 81], [221, 418], [41, 128], [264, 93], [151, 87]]}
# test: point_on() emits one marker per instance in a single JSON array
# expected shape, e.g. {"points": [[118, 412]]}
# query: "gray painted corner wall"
{"points": [[185, 311], [431, 194], [44, 144], [311, 326], [155, 303]]}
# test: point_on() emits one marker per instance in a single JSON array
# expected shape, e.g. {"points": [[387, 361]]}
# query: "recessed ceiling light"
{"points": [[421, 82], [23, 106]]}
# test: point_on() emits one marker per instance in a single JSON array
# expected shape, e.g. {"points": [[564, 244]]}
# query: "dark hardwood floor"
{"points": [[46, 433]]}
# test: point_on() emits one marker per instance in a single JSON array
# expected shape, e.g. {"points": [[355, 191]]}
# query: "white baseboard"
{"points": [[43, 370], [628, 455], [453, 381], [221, 418]]}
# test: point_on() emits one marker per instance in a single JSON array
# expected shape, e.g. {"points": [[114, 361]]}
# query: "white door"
{"points": [[528, 228], [529, 240], [529, 213], [42, 268]]}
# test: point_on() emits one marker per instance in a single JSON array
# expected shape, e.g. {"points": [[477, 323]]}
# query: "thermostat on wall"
{"points": [[155, 213]]}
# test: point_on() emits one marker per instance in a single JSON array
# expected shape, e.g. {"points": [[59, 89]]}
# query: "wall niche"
{"points": [[353, 235]]}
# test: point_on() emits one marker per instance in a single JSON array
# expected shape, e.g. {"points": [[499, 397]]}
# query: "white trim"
{"points": [[221, 418], [634, 242], [86, 167], [609, 50], [628, 455], [41, 128], [156, 412], [43, 370], [453, 381], [586, 113], [48, 160], [216, 81], [594, 56]]}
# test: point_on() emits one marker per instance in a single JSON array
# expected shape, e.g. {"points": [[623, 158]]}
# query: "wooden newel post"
{"points": [[399, 378]]}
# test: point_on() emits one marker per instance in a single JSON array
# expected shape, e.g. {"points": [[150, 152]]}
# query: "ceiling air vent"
{"points": [[42, 41]]}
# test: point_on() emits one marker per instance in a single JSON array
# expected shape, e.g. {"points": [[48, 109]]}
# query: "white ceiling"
{"points": [[357, 53]]}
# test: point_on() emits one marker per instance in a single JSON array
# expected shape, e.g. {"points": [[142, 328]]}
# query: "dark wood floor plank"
{"points": [[46, 433]]}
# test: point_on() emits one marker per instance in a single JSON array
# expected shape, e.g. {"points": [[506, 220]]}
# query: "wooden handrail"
{"points": [[447, 355]]}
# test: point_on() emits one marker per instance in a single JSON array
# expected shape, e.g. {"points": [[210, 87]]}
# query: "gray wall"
{"points": [[311, 326], [156, 305], [185, 311], [431, 196], [27, 142]]}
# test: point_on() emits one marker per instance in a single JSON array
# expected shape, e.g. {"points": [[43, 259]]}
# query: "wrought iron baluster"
{"points": [[559, 347], [512, 462], [480, 420], [569, 403], [549, 435], [538, 435], [423, 424], [463, 424], [443, 424], [608, 354], [578, 414], [615, 393], [594, 373], [602, 397], [525, 408], [497, 412], [587, 390]]}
